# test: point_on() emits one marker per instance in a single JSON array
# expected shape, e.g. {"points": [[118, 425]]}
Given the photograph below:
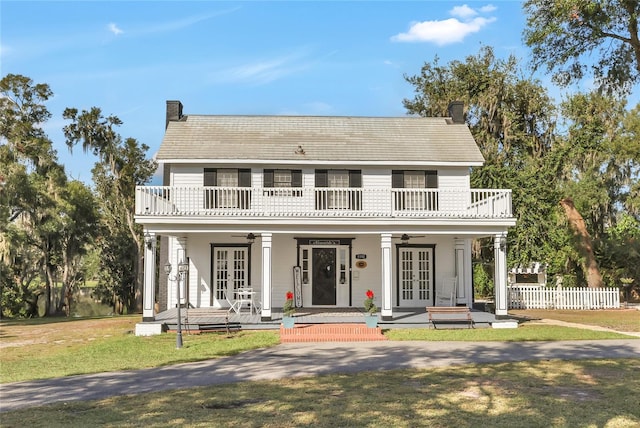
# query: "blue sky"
{"points": [[253, 57]]}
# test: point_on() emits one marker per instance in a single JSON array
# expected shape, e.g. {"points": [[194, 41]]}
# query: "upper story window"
{"points": [[415, 198], [283, 181], [227, 177], [340, 193], [282, 178], [414, 179], [229, 181], [338, 178]]}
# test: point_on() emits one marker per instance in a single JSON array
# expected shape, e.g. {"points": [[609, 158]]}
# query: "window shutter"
{"points": [[166, 175], [268, 178], [210, 177], [244, 178], [397, 179], [431, 179], [296, 178], [355, 178], [322, 178]]}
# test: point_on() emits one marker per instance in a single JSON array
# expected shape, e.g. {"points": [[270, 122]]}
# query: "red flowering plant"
{"points": [[369, 306], [289, 308]]}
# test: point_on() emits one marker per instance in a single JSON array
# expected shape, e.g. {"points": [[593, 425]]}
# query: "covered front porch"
{"points": [[328, 273], [196, 320]]}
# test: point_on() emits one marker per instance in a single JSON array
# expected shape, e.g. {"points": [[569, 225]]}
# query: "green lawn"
{"points": [[57, 347], [616, 319], [38, 351], [520, 334], [601, 393]]}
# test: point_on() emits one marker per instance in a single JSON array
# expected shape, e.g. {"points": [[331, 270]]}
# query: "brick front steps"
{"points": [[330, 333]]}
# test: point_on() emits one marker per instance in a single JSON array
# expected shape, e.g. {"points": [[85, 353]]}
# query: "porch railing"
{"points": [[531, 297], [321, 202]]}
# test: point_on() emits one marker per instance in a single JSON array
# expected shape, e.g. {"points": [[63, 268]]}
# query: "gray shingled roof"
{"points": [[323, 139]]}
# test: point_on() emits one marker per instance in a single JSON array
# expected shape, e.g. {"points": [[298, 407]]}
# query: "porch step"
{"points": [[330, 333]]}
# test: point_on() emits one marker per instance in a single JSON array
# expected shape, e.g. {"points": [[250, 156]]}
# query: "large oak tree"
{"points": [[578, 38]]}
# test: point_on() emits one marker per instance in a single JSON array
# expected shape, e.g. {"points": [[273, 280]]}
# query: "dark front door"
{"points": [[324, 276]]}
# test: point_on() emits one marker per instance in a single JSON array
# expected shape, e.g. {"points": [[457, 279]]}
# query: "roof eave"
{"points": [[320, 162]]}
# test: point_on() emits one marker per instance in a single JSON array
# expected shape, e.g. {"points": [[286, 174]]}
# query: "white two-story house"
{"points": [[326, 207]]}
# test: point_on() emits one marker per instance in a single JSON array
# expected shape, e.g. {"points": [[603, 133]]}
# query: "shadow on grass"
{"points": [[538, 393], [284, 362]]}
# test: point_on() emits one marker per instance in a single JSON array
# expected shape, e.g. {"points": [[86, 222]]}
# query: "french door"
{"points": [[230, 272], [415, 276]]}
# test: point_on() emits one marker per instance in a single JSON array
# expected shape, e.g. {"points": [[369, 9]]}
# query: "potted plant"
{"points": [[371, 316], [288, 310]]}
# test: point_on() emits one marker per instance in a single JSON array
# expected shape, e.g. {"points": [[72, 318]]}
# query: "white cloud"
{"points": [[488, 8], [447, 31], [114, 29], [463, 11], [442, 32], [180, 23], [262, 71]]}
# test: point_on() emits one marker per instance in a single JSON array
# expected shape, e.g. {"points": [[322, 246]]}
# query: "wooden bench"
{"points": [[450, 314]]}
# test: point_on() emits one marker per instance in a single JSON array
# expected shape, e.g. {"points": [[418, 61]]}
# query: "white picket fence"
{"points": [[535, 297]]}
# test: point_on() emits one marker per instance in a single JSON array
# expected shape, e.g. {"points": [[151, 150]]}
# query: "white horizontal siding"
{"points": [[448, 178], [453, 178], [376, 178], [187, 175]]}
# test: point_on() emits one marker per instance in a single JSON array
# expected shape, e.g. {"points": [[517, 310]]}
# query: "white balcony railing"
{"points": [[321, 202]]}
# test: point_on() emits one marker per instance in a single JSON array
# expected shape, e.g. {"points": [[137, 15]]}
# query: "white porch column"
{"points": [[149, 291], [463, 271], [179, 254], [386, 277], [266, 276], [500, 274]]}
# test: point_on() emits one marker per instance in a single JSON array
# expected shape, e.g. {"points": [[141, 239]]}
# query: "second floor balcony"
{"points": [[313, 202]]}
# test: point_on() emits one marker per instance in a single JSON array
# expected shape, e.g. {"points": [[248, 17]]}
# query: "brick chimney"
{"points": [[456, 112], [174, 112]]}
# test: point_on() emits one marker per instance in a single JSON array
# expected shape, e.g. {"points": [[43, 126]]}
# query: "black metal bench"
{"points": [[449, 314], [208, 327]]}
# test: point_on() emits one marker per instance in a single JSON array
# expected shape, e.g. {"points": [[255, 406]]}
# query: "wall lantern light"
{"points": [[148, 239]]}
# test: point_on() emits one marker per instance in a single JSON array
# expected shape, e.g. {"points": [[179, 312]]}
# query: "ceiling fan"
{"points": [[250, 237], [404, 238]]}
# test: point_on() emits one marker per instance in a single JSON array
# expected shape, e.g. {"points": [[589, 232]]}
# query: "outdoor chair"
{"points": [[446, 292]]}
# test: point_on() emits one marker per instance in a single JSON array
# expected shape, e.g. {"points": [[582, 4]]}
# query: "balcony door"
{"points": [[415, 276]]}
